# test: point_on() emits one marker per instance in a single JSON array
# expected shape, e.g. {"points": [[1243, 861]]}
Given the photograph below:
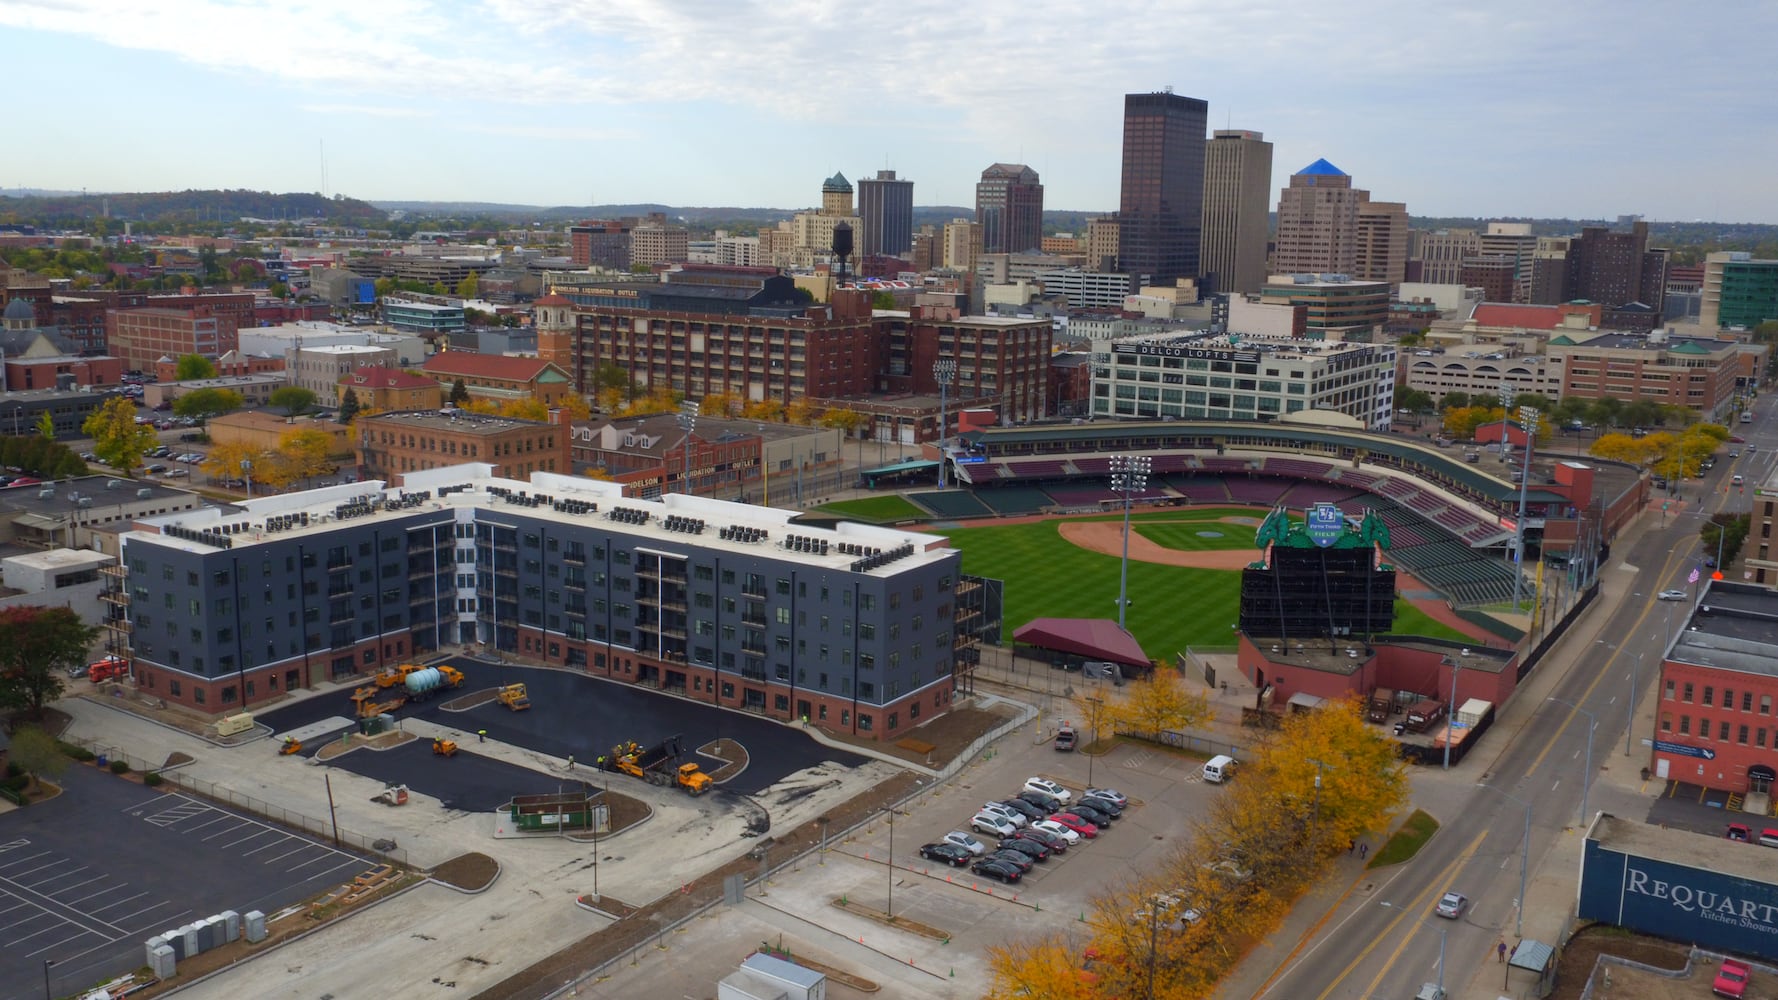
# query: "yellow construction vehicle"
{"points": [[291, 745], [693, 780], [366, 706], [443, 747], [513, 696], [395, 676]]}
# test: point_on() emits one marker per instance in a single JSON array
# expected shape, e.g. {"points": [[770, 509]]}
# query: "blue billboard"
{"points": [[364, 291], [1719, 912]]}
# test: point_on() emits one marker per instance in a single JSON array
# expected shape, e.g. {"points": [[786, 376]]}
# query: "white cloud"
{"points": [[369, 110]]}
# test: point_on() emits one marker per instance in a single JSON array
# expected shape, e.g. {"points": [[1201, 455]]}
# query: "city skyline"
{"points": [[1582, 110]]}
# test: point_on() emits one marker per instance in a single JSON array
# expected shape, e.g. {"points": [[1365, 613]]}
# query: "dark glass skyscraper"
{"points": [[1160, 212], [886, 206], [1009, 206]]}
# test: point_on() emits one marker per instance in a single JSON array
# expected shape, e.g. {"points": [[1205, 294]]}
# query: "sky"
{"points": [[1546, 108]]}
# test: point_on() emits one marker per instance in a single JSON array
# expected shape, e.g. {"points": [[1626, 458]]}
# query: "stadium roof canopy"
{"points": [[1092, 638]]}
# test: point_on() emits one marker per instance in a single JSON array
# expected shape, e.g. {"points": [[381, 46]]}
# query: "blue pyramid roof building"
{"points": [[1322, 168]]}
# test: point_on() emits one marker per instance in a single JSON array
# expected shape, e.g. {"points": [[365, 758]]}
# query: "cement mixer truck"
{"points": [[423, 684]]}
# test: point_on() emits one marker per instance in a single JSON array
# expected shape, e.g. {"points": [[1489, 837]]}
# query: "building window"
{"points": [[1728, 699], [1685, 725], [1709, 696], [1760, 737], [1670, 686], [1722, 732], [1666, 722], [1686, 693], [1747, 701], [1741, 736], [1765, 704]]}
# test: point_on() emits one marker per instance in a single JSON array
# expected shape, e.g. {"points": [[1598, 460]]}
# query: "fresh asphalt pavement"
{"points": [[467, 781], [572, 715], [87, 877]]}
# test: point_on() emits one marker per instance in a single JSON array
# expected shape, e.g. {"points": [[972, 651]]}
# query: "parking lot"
{"points": [[798, 908], [86, 877], [574, 715]]}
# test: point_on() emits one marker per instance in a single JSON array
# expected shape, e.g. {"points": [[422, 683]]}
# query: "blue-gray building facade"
{"points": [[856, 628]]}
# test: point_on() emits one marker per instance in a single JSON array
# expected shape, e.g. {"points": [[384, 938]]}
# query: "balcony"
{"points": [[754, 621], [116, 571], [121, 598]]}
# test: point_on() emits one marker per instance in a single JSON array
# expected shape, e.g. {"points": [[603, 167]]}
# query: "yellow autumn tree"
{"points": [[224, 460], [482, 405], [720, 404], [799, 412], [1042, 968], [1162, 701], [575, 407], [769, 410], [1461, 421], [846, 420], [1621, 447], [610, 398], [1094, 713], [302, 452], [525, 408], [1326, 769]]}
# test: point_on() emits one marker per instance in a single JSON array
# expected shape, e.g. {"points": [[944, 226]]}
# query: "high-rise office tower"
{"points": [[1237, 195], [1009, 207], [1161, 203], [886, 204], [1381, 252], [1441, 253], [1317, 222], [1516, 242]]}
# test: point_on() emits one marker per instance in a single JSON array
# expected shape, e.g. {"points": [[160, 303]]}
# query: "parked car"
{"points": [[1025, 809], [1091, 815], [1739, 831], [1230, 870], [1056, 844], [1065, 738], [1029, 848], [1020, 861], [997, 869], [989, 823], [1671, 595], [1076, 823], [1048, 803], [1452, 904], [949, 854], [960, 839], [1049, 788], [1011, 815], [1065, 834], [1108, 794], [1105, 806], [1731, 979], [178, 473]]}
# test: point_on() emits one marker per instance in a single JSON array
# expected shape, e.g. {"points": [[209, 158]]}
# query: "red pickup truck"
{"points": [[1731, 980]]}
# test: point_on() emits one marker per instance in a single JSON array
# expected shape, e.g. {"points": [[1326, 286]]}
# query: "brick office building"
{"points": [[1715, 721], [393, 444], [143, 336]]}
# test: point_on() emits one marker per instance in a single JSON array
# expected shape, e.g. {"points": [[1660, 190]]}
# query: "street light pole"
{"points": [[944, 370], [688, 422], [247, 475], [891, 862], [1586, 778], [1630, 723], [46, 964], [1451, 712], [1129, 474], [1524, 858]]}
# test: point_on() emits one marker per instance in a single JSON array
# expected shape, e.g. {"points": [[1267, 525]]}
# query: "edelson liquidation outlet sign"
{"points": [[1718, 911]]}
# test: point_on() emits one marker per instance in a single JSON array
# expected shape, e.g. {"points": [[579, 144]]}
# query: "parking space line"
{"points": [[269, 846], [145, 909], [45, 929], [286, 854], [101, 892], [51, 906], [21, 861], [120, 902], [221, 817], [243, 840], [51, 864], [222, 833], [78, 934], [58, 875], [77, 885]]}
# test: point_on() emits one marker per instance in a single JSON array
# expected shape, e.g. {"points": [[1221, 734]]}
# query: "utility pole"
{"points": [[890, 861], [1586, 777], [1524, 859], [1528, 418], [688, 422]]}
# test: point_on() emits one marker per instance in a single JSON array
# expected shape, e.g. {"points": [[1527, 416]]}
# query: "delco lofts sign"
{"points": [[1183, 351], [1719, 912]]}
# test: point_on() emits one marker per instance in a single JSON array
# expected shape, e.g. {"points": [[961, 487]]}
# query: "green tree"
{"points": [[206, 403], [1414, 400], [193, 367], [459, 393], [349, 406], [118, 440], [882, 300], [292, 399], [46, 426], [37, 646], [280, 290], [1725, 532], [1606, 411], [1457, 401], [37, 754]]}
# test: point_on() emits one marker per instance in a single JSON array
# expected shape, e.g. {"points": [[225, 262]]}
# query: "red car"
{"points": [[1076, 824], [1731, 979]]}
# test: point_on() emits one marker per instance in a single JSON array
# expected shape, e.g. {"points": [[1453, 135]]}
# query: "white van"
{"points": [[1219, 769]]}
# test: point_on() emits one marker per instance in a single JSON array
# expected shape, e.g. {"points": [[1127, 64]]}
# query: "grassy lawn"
{"points": [[887, 508], [1171, 607], [1190, 536], [1407, 841], [1410, 620]]}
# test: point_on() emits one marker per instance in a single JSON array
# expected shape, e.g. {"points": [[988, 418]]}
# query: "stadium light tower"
{"points": [[688, 422], [1129, 474], [945, 371], [1528, 418]]}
